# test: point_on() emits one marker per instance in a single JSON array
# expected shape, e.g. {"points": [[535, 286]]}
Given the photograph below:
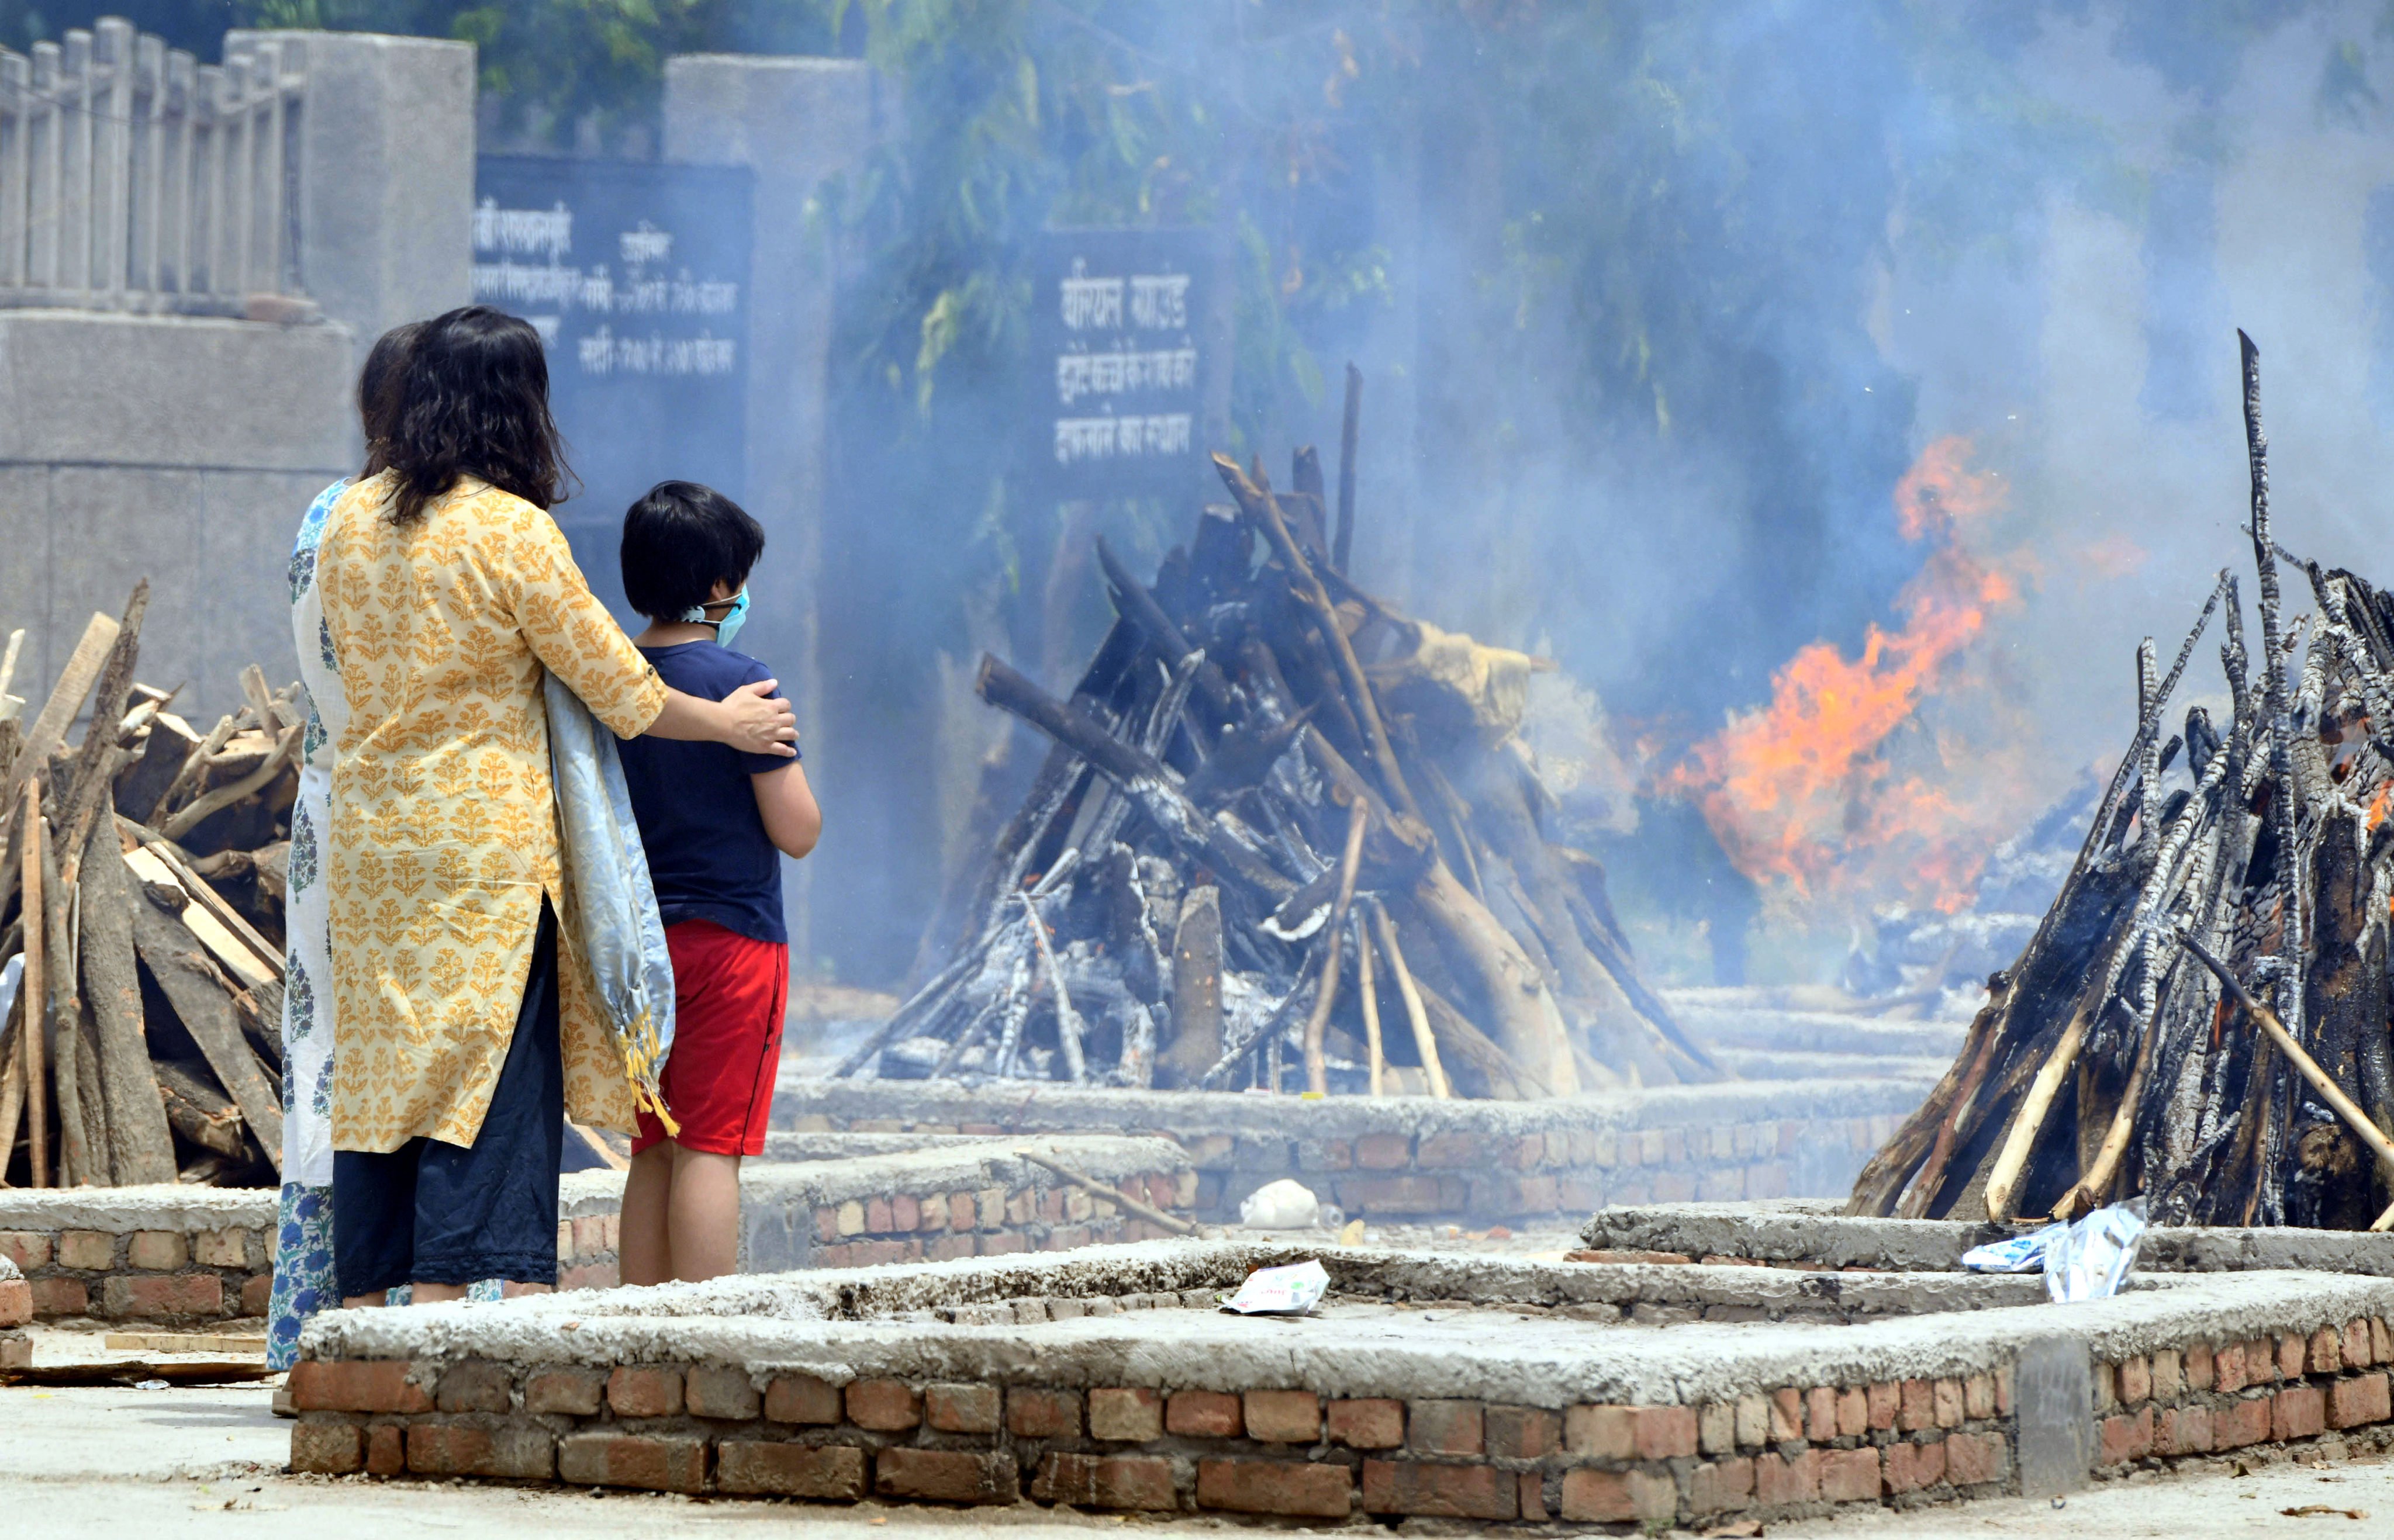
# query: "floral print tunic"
{"points": [[442, 837]]}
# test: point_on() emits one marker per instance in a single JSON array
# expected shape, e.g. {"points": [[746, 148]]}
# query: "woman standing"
{"points": [[465, 1026]]}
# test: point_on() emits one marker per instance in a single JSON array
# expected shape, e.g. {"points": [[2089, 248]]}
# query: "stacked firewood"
{"points": [[1285, 834], [2201, 1015], [141, 886]]}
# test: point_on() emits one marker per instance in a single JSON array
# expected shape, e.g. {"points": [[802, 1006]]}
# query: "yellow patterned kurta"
{"points": [[445, 835]]}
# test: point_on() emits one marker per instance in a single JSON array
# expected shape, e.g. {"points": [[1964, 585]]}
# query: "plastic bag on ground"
{"points": [[2019, 1254], [1293, 1290], [2092, 1258]]}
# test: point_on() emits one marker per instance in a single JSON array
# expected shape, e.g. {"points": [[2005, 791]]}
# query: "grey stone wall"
{"points": [[180, 450]]}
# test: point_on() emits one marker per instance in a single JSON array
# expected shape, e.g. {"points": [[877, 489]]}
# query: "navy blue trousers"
{"points": [[436, 1213]]}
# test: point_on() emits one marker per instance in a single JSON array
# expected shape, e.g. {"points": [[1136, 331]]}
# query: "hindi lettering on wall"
{"points": [[637, 276], [1129, 377]]}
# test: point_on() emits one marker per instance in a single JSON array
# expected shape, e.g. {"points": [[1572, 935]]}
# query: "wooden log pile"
{"points": [[1285, 837], [141, 891], [2202, 1015]]}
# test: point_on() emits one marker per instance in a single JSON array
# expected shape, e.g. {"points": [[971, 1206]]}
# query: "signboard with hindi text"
{"points": [[1129, 364], [635, 274]]}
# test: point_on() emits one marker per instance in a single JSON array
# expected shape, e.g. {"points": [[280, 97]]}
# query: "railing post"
{"points": [[15, 164], [49, 148], [149, 100], [112, 155], [177, 250], [74, 184]]}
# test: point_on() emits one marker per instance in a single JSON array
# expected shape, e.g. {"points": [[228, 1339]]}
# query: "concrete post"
{"points": [[384, 174], [792, 121]]}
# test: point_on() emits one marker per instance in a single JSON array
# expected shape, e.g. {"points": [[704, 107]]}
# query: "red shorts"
{"points": [[729, 996]]}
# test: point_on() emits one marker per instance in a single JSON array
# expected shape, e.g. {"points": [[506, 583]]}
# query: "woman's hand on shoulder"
{"points": [[758, 722]]}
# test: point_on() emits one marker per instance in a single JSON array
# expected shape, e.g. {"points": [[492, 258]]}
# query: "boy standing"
{"points": [[715, 823]]}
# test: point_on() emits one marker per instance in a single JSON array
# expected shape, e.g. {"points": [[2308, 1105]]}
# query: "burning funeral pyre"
{"points": [[142, 882], [2201, 1015], [1284, 830]]}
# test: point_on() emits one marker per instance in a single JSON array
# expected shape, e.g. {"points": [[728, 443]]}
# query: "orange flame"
{"points": [[1801, 793]]}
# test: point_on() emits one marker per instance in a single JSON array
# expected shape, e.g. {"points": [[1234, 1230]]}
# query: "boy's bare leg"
{"points": [[643, 1251], [365, 1302], [704, 1219], [436, 1294]]}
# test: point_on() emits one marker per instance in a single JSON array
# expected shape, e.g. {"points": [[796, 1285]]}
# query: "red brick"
{"points": [[1437, 1427], [1533, 1488], [2241, 1423], [803, 1399], [1945, 1400], [1523, 1433], [1043, 1414], [1723, 1486], [1665, 1432], [1131, 1415], [476, 1385], [948, 1248], [86, 1251], [356, 1385], [386, 1449], [652, 1462], [1977, 1398], [964, 1408], [2199, 1367], [945, 1476], [1919, 1410], [2299, 1411], [153, 1296], [2228, 1368], [1440, 1490], [1974, 1459], [2358, 1400], [1005, 1244], [1885, 1402], [877, 1217], [884, 1405], [1779, 1480], [1382, 1151], [1607, 1497], [575, 1393], [28, 1249], [1138, 1482], [1367, 1424], [1284, 1416], [2356, 1350], [1849, 1475], [2324, 1355], [2183, 1431], [2294, 1347], [905, 1213], [1786, 1414], [257, 1294], [516, 1451], [16, 1302], [719, 1391], [832, 1473], [325, 1449], [1911, 1466], [1409, 1194], [1203, 1415], [2135, 1380], [644, 1390], [1294, 1487], [2125, 1439], [1821, 1414], [1601, 1432]]}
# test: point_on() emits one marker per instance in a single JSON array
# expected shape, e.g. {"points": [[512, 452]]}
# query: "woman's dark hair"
{"points": [[680, 540], [379, 387], [475, 402]]}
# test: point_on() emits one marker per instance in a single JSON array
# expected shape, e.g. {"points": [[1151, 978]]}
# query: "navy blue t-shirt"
{"points": [[708, 853]]}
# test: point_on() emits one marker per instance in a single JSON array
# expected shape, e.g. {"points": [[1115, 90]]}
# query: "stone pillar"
{"points": [[383, 175], [792, 121]]}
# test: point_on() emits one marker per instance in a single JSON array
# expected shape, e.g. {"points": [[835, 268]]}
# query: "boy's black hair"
{"points": [[680, 540]]}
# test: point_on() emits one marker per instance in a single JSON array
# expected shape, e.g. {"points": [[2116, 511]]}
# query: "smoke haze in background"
{"points": [[1657, 306]]}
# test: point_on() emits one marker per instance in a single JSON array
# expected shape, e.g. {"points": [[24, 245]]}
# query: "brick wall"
{"points": [[1411, 1159], [1294, 1452], [164, 1276], [941, 1226]]}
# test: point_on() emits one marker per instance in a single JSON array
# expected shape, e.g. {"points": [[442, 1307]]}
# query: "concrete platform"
{"points": [[1492, 1388]]}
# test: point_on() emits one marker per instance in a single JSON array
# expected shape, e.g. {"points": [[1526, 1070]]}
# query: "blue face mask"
{"points": [[727, 628]]}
